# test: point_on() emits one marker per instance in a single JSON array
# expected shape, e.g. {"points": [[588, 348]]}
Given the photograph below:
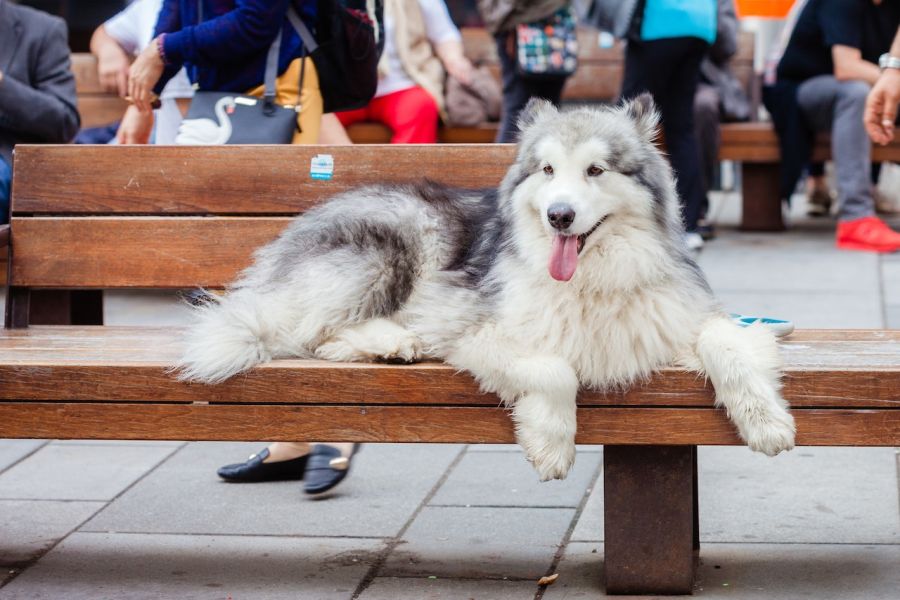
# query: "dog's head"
{"points": [[584, 175]]}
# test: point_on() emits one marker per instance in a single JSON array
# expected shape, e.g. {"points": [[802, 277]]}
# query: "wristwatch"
{"points": [[886, 61]]}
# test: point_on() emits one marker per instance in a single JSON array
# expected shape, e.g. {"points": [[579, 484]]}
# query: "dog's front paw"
{"points": [[771, 433], [551, 461]]}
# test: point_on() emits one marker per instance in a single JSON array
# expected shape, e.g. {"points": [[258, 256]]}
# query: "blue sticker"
{"points": [[321, 167]]}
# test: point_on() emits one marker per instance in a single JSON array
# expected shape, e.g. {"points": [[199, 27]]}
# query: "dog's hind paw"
{"points": [[771, 434]]}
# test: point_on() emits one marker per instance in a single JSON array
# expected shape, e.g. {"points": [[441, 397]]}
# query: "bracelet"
{"points": [[160, 47]]}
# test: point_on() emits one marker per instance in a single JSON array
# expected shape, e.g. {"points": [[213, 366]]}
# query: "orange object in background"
{"points": [[777, 9]]}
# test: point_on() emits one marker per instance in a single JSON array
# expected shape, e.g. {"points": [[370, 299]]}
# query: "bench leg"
{"points": [[650, 514], [761, 195]]}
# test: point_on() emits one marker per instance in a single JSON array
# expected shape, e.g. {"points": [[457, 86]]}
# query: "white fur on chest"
{"points": [[610, 339]]}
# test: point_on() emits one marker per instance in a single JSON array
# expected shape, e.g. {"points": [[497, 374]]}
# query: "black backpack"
{"points": [[345, 47]]}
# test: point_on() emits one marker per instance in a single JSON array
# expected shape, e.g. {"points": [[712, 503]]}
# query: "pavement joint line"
{"points": [[394, 541], [103, 504], [67, 500], [247, 535], [765, 543], [10, 466], [567, 536], [569, 507]]}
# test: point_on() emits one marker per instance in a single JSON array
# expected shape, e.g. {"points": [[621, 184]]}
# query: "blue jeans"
{"points": [[5, 180]]}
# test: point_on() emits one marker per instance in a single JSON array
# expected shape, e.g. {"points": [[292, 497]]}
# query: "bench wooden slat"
{"points": [[272, 180], [150, 252], [758, 142], [488, 425], [131, 364]]}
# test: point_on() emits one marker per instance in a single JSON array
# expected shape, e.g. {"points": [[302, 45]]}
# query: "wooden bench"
{"points": [[89, 218]]}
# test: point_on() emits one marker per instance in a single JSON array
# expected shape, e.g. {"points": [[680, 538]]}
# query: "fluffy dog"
{"points": [[572, 274]]}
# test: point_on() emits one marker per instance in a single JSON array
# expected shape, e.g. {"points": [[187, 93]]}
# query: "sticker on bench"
{"points": [[321, 166]]}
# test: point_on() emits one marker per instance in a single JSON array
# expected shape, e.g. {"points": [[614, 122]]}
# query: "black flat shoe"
{"points": [[326, 468], [255, 470]]}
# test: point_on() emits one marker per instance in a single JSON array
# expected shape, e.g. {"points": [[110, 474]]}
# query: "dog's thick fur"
{"points": [[406, 272]]}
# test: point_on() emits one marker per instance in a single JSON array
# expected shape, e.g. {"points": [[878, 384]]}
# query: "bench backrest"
{"points": [[99, 217]]}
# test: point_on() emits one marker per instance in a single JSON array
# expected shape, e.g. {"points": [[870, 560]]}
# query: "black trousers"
{"points": [[669, 69], [517, 90]]}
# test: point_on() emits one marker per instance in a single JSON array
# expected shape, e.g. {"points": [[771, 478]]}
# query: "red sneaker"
{"points": [[869, 234]]}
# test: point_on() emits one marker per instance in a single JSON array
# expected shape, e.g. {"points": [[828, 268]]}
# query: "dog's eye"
{"points": [[594, 171], [548, 170]]}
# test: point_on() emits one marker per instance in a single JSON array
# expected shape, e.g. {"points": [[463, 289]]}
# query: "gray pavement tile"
{"points": [[133, 566], [892, 315], [580, 574], [67, 472], [814, 571], [494, 543], [590, 523], [12, 451], [507, 479], [386, 484], [29, 527], [787, 262], [144, 307], [890, 279], [814, 495], [440, 588], [848, 310], [755, 571]]}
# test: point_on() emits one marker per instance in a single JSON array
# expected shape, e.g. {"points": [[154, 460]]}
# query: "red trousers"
{"points": [[411, 114]]}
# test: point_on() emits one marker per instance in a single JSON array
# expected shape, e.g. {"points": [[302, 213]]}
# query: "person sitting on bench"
{"points": [[822, 80], [37, 88]]}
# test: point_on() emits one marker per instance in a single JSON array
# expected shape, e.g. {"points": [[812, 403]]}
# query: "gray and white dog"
{"points": [[572, 274]]}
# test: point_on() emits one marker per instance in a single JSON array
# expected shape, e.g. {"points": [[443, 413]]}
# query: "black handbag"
{"points": [[229, 118], [346, 49]]}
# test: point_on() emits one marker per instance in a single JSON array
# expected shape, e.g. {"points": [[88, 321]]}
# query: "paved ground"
{"points": [[151, 520]]}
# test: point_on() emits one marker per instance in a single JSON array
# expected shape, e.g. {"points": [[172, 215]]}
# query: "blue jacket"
{"points": [[227, 52]]}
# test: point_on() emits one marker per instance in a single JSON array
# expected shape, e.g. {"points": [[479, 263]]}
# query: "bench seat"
{"points": [[113, 382]]}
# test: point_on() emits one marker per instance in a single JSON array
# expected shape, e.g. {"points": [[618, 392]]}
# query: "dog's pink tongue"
{"points": [[563, 257]]}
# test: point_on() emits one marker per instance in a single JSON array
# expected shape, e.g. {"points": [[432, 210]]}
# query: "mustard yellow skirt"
{"points": [[309, 119]]}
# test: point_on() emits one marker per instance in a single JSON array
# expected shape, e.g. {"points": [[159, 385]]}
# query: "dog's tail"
{"points": [[229, 335]]}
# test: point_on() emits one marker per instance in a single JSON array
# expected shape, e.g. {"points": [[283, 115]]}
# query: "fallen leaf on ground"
{"points": [[548, 579]]}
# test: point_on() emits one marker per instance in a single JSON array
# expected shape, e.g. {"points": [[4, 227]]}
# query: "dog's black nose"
{"points": [[560, 215]]}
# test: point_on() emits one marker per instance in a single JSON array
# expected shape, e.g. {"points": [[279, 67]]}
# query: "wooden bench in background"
{"points": [[91, 218]]}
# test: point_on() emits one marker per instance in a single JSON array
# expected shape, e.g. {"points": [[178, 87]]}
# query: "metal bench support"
{"points": [[650, 513]]}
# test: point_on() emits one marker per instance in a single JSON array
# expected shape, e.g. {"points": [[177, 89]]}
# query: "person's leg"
{"points": [[838, 105], [518, 90], [349, 117], [412, 115], [677, 63], [832, 105], [706, 130], [5, 184]]}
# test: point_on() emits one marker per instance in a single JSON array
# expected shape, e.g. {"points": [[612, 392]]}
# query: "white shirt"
{"points": [[439, 28], [133, 30]]}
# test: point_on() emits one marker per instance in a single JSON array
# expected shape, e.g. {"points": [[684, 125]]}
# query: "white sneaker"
{"points": [[693, 240]]}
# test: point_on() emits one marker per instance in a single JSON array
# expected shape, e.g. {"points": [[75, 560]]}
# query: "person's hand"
{"points": [[112, 67], [143, 75], [136, 127], [881, 107], [460, 68]]}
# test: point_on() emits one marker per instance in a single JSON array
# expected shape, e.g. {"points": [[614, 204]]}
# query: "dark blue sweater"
{"points": [[227, 52]]}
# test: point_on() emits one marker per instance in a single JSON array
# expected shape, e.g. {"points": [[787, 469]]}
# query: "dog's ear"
{"points": [[642, 110], [534, 111]]}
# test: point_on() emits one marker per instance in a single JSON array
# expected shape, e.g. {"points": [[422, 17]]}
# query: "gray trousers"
{"points": [[837, 106]]}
